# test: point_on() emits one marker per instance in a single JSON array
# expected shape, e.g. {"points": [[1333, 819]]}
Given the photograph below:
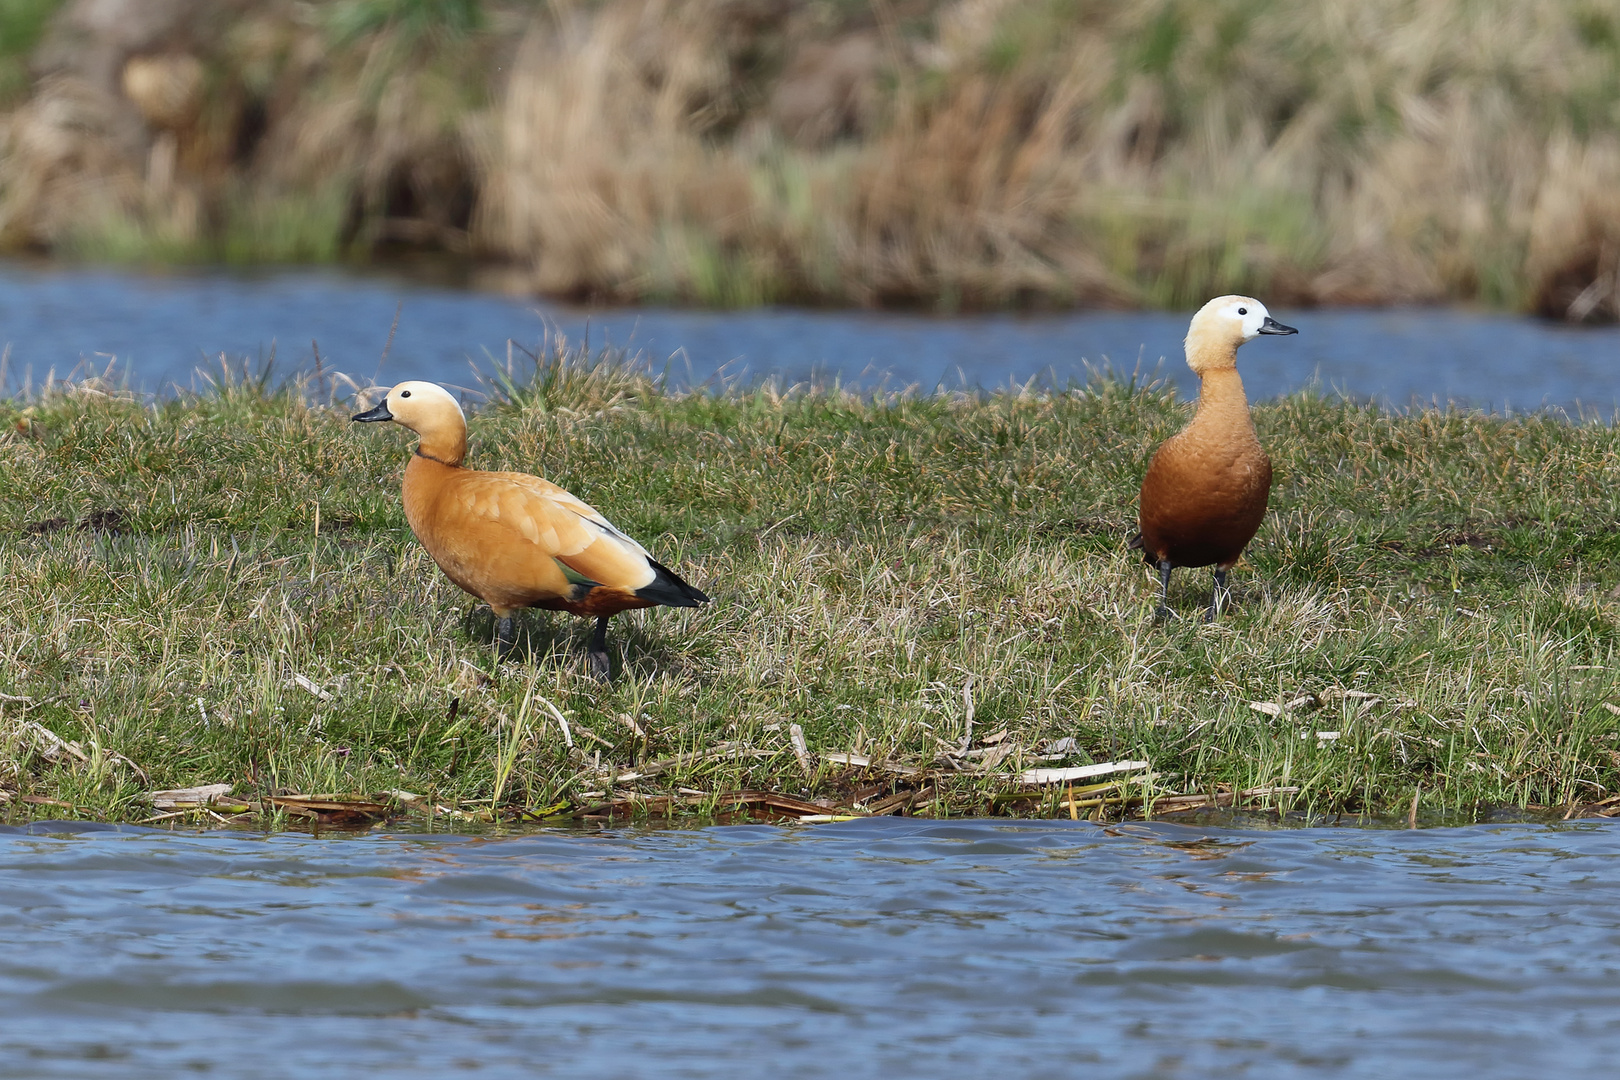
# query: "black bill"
{"points": [[1270, 326], [381, 411]]}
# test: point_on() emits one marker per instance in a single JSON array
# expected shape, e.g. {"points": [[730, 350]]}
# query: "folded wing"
{"points": [[563, 527]]}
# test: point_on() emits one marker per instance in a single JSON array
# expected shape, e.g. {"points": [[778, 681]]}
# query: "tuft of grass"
{"points": [[221, 588]]}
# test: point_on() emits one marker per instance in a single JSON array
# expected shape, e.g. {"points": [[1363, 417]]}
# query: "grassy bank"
{"points": [[965, 154], [222, 590]]}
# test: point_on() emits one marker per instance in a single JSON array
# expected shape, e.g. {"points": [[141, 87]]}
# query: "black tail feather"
{"points": [[670, 589]]}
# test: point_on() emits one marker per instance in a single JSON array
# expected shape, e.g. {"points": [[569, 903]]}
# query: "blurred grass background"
{"points": [[948, 155]]}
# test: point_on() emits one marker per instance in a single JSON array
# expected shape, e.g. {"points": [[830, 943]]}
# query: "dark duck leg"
{"points": [[1221, 598], [505, 636], [597, 657]]}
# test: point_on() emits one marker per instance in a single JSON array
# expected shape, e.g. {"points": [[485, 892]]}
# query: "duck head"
{"points": [[1222, 325], [429, 410]]}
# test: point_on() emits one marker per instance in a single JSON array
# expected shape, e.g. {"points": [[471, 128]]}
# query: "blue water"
{"points": [[882, 948], [161, 328]]}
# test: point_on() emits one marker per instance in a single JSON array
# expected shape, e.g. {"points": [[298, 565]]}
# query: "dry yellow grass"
{"points": [[971, 154]]}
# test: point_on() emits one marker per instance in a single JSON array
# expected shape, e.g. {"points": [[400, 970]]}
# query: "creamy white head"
{"points": [[429, 410], [418, 400], [1222, 325]]}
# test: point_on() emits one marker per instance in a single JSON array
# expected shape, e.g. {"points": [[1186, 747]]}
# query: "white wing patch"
{"points": [[606, 529], [601, 528]]}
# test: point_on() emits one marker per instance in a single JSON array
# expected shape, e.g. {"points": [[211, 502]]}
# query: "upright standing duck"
{"points": [[515, 540], [1206, 488]]}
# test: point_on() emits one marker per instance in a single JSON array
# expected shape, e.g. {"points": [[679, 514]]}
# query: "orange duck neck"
{"points": [[1222, 405], [444, 441], [1220, 392]]}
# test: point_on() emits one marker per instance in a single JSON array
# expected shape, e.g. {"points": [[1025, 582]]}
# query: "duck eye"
{"points": [[404, 393], [1241, 311]]}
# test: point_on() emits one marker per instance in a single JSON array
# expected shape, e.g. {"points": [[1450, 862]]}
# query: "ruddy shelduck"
{"points": [[1206, 488], [514, 540]]}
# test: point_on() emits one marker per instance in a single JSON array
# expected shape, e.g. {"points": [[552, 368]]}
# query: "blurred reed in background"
{"points": [[969, 154]]}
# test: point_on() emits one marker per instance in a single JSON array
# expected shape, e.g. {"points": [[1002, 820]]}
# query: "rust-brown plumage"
{"points": [[514, 540], [1206, 488]]}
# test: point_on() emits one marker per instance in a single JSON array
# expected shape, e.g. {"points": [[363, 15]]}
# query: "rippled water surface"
{"points": [[163, 327], [887, 948]]}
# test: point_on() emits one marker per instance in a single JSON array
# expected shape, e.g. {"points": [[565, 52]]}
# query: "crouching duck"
{"points": [[514, 540], [1206, 488]]}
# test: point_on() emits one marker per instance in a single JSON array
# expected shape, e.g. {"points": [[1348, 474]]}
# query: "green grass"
{"points": [[879, 567], [22, 24], [348, 20]]}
